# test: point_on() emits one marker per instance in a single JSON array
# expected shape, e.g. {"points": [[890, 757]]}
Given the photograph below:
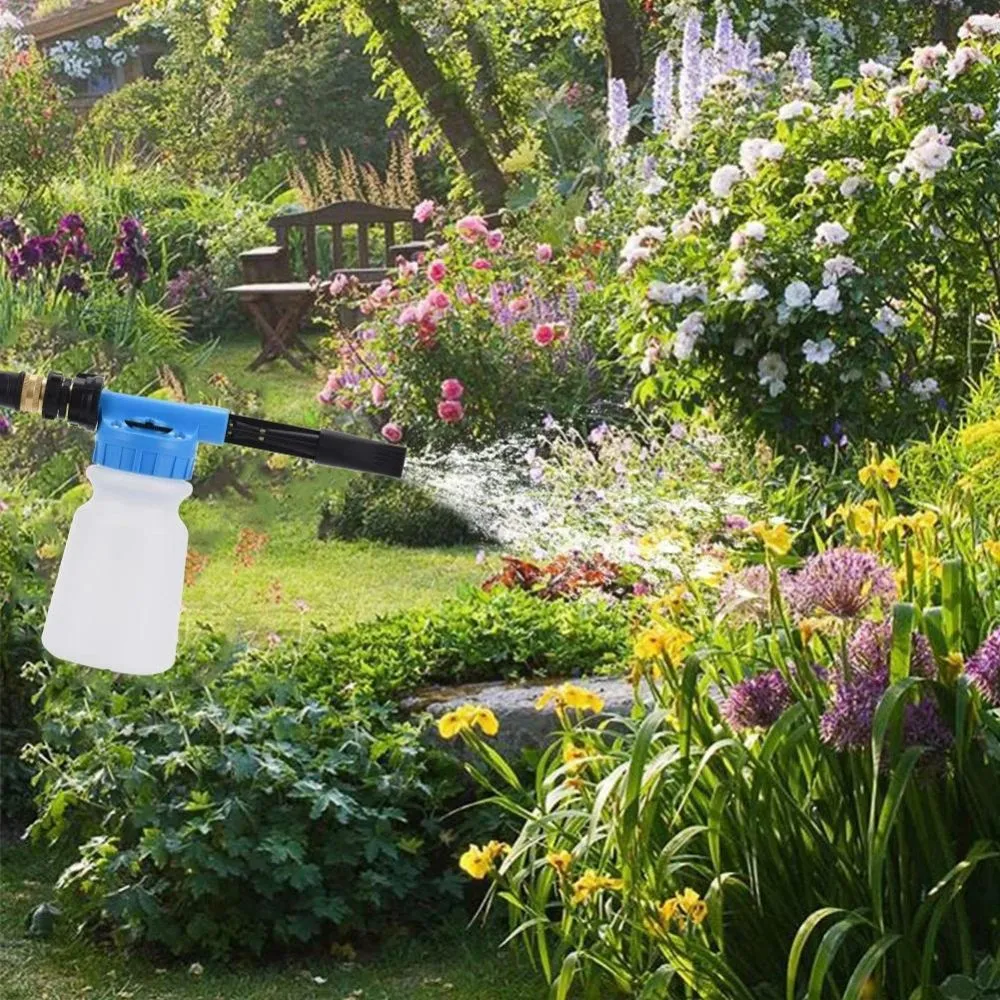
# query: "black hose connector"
{"points": [[56, 397], [343, 451], [11, 384]]}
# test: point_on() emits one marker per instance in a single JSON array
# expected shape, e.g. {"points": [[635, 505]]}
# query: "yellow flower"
{"points": [[468, 717], [992, 549], [687, 899], [887, 471], [591, 883], [667, 910], [663, 641], [673, 601], [686, 905], [562, 861], [573, 757], [698, 911], [570, 696], [479, 861], [777, 538], [809, 627]]}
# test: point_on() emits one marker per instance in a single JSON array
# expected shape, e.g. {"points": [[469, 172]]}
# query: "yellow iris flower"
{"points": [[562, 861], [570, 696], [663, 641], [466, 718], [591, 883], [886, 471], [478, 862], [777, 538]]}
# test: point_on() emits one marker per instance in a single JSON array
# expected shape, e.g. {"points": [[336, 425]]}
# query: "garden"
{"points": [[671, 666]]}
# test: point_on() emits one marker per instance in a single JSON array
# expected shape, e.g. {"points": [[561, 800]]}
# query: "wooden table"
{"points": [[278, 309]]}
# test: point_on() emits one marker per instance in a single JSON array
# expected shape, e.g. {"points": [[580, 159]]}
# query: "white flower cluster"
{"points": [[929, 152], [687, 336], [82, 60], [772, 372], [674, 294], [639, 246], [754, 152]]}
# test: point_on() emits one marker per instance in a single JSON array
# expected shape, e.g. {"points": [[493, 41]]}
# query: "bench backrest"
{"points": [[338, 217]]}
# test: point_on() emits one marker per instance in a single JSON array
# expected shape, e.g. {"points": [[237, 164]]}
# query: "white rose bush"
{"points": [[816, 259]]}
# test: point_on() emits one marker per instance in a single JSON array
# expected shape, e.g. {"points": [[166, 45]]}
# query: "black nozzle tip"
{"points": [[360, 454]]}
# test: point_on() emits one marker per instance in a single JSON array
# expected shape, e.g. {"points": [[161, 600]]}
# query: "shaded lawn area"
{"points": [[339, 582], [455, 961]]}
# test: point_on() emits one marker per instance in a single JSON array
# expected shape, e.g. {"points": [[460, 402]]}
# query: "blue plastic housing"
{"points": [[155, 437]]}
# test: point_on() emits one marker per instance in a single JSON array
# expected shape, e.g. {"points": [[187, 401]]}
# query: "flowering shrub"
{"points": [[826, 261], [820, 772], [474, 340], [36, 124]]}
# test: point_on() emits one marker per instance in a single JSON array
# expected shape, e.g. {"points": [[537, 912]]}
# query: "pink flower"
{"points": [[472, 228], [424, 212], [408, 316], [466, 297], [383, 291], [393, 433], [450, 411], [273, 639], [543, 253], [407, 268], [439, 300], [338, 284], [324, 397], [520, 305], [452, 389], [481, 264], [544, 334], [378, 394], [437, 270], [494, 239]]}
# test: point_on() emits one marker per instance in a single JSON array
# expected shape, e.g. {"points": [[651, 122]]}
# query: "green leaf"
{"points": [[960, 988], [903, 618]]}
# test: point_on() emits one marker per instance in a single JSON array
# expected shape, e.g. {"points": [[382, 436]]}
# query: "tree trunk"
{"points": [[487, 89], [623, 42], [444, 102]]}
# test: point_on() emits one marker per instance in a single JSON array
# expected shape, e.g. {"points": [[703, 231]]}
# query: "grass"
{"points": [[455, 962], [338, 582]]}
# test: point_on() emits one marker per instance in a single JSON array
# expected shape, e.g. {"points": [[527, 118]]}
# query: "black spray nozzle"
{"points": [[344, 451]]}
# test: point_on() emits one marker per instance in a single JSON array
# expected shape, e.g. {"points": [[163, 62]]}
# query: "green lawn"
{"points": [[458, 962], [339, 582]]}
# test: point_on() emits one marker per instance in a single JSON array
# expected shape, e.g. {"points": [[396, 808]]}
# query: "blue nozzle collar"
{"points": [[155, 437]]}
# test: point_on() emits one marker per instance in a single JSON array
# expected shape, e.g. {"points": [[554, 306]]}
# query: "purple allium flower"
{"points": [[689, 85], [870, 648], [10, 231], [618, 113], [6, 427], [983, 669], [757, 702], [663, 93], [844, 582], [801, 62], [736, 522], [724, 41]]}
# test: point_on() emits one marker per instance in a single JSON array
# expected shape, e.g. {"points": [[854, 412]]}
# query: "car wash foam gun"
{"points": [[117, 599]]}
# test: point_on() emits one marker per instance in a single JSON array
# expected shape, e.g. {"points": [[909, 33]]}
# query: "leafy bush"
{"points": [[810, 795], [22, 594], [823, 260], [232, 812], [397, 512], [476, 342]]}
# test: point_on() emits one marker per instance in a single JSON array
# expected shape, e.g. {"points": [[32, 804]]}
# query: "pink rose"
{"points": [[520, 305], [481, 264], [378, 394], [383, 291], [437, 270], [338, 284], [450, 411], [424, 212], [544, 334], [472, 228], [543, 253], [494, 239], [407, 268], [452, 389], [393, 433], [408, 316], [439, 300]]}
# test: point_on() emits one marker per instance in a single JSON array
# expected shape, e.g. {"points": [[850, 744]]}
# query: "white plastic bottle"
{"points": [[117, 600]]}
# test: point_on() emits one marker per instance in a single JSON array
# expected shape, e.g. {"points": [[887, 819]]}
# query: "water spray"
{"points": [[116, 604]]}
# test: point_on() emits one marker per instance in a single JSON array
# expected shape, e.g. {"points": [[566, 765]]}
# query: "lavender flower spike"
{"points": [[690, 79], [724, 36], [801, 62], [983, 669], [618, 113], [663, 93]]}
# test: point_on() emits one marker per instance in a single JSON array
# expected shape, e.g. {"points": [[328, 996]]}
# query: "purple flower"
{"points": [[129, 264], [10, 231], [736, 522], [844, 582], [618, 113], [871, 645], [71, 224], [757, 702], [663, 93], [983, 669], [689, 85], [724, 42], [6, 427], [74, 284], [801, 62]]}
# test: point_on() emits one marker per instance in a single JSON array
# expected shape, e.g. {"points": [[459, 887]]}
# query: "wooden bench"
{"points": [[335, 239]]}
